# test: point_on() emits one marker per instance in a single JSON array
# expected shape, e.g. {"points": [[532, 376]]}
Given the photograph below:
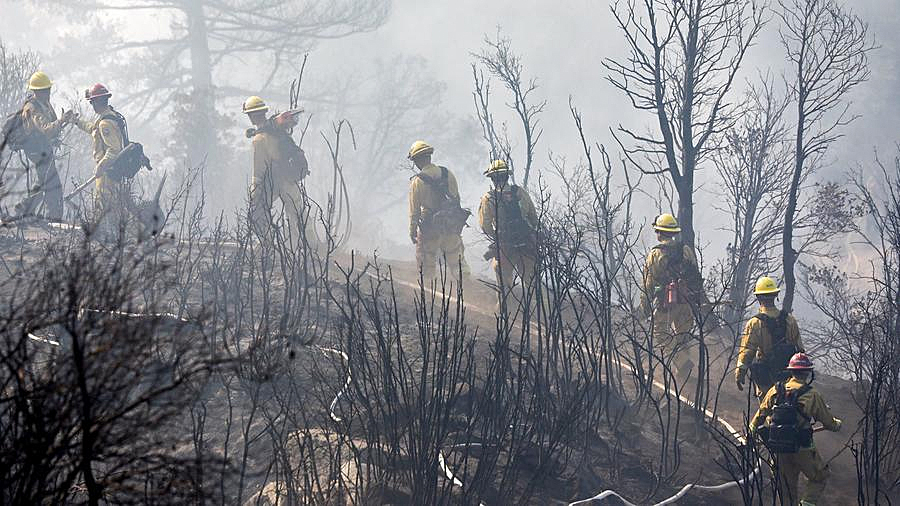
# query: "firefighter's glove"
{"points": [[739, 378], [413, 237], [838, 423]]}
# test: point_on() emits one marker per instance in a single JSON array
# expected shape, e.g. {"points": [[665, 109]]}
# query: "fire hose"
{"points": [[442, 462], [323, 349], [450, 475]]}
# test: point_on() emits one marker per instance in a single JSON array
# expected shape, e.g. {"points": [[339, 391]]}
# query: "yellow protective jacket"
{"points": [[658, 272], [757, 341], [811, 404], [40, 121], [425, 198], [271, 158], [488, 210], [108, 137]]}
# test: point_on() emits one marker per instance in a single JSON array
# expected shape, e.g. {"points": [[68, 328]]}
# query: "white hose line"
{"points": [[326, 351], [340, 393], [610, 493], [448, 473], [51, 342], [135, 315]]}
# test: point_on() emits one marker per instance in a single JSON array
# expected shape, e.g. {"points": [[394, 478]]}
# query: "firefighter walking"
{"points": [[784, 422], [279, 168], [109, 133], [670, 295], [42, 128], [436, 219], [508, 218], [770, 339]]}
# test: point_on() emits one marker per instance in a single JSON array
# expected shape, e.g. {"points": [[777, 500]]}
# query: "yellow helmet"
{"points": [[497, 167], [39, 81], [766, 285], [666, 223], [253, 104], [419, 148]]}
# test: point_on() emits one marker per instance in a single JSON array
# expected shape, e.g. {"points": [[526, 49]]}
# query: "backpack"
{"points": [[681, 287], [784, 434], [293, 155], [767, 371], [295, 161], [448, 217], [514, 231], [131, 159], [14, 135]]}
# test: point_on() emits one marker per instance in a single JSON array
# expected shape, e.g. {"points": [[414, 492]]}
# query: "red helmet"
{"points": [[800, 362], [96, 91]]}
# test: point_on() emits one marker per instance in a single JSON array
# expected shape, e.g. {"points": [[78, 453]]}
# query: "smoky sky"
{"points": [[562, 45]]}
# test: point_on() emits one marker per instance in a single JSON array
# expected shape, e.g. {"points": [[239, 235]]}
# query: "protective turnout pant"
{"points": [[790, 465], [672, 337], [296, 209], [512, 263], [48, 189], [433, 246], [110, 205]]}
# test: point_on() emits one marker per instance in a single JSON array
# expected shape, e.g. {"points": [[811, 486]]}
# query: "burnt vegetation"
{"points": [[209, 360]]}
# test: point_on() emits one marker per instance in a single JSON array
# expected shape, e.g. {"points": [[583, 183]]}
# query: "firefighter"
{"points": [[436, 219], [508, 218], [42, 129], [279, 167], [109, 133], [670, 294], [799, 398], [770, 338]]}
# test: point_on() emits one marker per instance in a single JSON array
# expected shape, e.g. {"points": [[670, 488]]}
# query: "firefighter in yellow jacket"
{"points": [[279, 167], [508, 218], [807, 405], [670, 295], [109, 133], [770, 338], [42, 128], [435, 217]]}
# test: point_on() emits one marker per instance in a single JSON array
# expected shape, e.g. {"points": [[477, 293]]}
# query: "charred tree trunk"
{"points": [[787, 236], [737, 295], [689, 154], [201, 100]]}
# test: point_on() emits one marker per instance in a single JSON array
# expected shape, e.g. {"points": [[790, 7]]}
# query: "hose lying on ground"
{"points": [[324, 350], [442, 463]]}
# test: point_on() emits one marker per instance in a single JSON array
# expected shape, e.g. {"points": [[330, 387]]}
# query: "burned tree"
{"points": [[499, 60], [91, 389], [15, 67], [754, 164], [207, 36], [861, 333], [682, 62], [828, 48]]}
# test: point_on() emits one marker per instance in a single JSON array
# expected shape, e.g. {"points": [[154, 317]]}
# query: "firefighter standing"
{"points": [[279, 167], [810, 406], [770, 338], [109, 132], [42, 129], [508, 217], [435, 217], [670, 293]]}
